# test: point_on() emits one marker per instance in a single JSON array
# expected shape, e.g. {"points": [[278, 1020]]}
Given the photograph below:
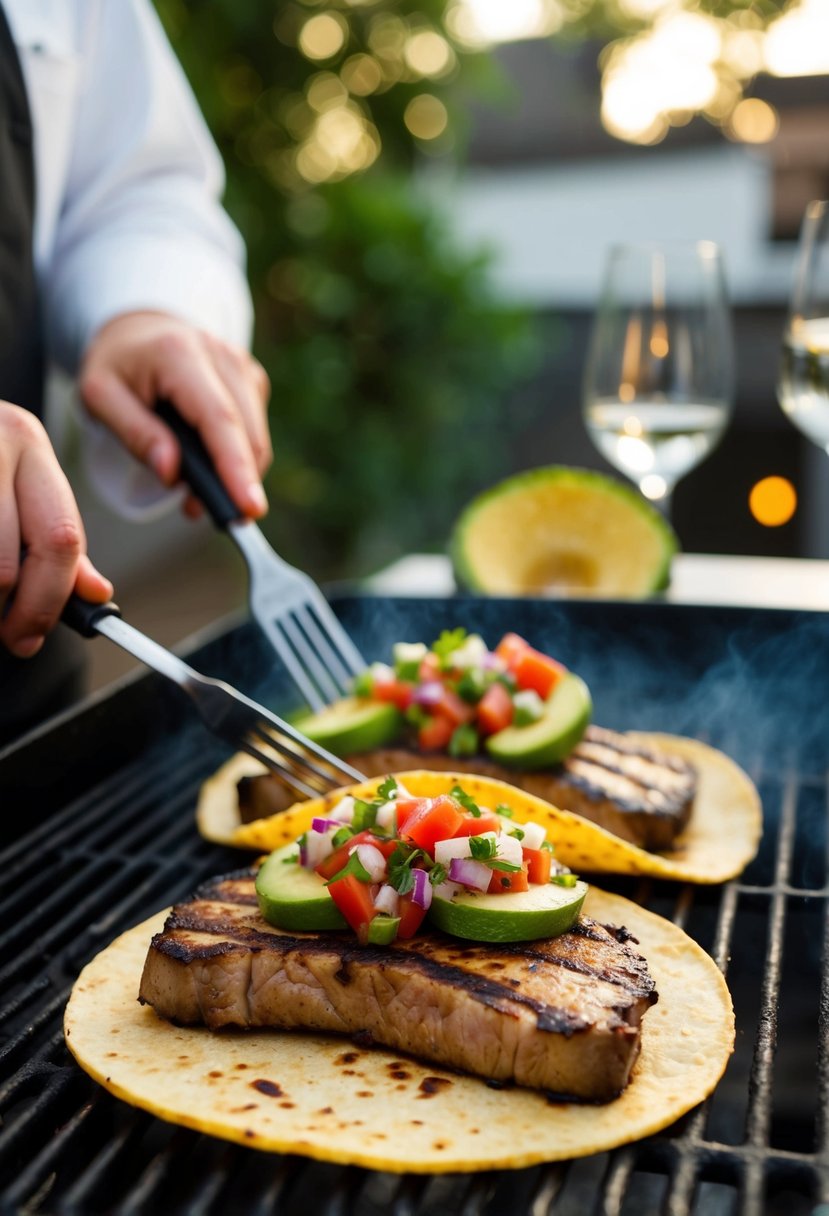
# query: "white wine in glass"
{"points": [[659, 379], [803, 383]]}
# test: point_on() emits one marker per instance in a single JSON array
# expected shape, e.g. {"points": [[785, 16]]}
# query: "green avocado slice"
{"points": [[292, 897], [555, 734], [518, 916], [565, 530], [354, 724]]}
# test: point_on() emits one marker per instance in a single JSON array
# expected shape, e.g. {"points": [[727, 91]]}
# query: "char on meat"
{"points": [[561, 1014]]}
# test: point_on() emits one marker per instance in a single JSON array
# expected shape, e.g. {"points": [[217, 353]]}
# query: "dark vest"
{"points": [[30, 689]]}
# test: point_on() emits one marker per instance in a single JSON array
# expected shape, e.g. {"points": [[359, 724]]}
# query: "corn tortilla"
{"points": [[721, 837], [291, 1093]]}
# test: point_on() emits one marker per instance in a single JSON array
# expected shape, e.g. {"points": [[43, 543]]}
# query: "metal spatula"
{"points": [[286, 604], [303, 766]]}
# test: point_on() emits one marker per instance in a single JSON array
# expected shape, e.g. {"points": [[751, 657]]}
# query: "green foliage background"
{"points": [[394, 365]]}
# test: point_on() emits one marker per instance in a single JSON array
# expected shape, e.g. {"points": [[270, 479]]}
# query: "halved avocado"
{"points": [[523, 916], [565, 530], [354, 724], [553, 736]]}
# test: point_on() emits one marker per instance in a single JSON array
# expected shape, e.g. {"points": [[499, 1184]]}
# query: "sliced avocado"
{"points": [[552, 736], [354, 724], [518, 916], [565, 530], [292, 897]]}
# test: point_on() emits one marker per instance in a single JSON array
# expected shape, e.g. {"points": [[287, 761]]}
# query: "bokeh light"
{"points": [[773, 501], [323, 36], [753, 121], [427, 53], [426, 116]]}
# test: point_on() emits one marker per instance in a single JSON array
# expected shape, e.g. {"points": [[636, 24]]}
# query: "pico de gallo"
{"points": [[383, 861], [457, 692]]}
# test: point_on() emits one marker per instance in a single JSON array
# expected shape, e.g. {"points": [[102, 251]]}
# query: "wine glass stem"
{"points": [[663, 504]]}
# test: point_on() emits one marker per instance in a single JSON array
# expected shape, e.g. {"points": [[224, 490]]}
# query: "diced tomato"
{"points": [[434, 734], [485, 822], [354, 899], [510, 648], [335, 861], [397, 692], [438, 819], [537, 671], [539, 865], [503, 881], [411, 917], [429, 668], [405, 808], [454, 708], [495, 709]]}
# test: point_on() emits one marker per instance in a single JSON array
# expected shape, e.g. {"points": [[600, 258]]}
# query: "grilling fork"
{"points": [[286, 604], [303, 766]]}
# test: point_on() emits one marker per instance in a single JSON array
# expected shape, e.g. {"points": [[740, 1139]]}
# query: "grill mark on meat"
{"points": [[218, 962]]}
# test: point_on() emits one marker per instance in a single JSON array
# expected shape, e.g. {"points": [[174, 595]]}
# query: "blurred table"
{"points": [[696, 578]]}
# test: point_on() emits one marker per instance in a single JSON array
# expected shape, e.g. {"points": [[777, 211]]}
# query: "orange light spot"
{"points": [[773, 501]]}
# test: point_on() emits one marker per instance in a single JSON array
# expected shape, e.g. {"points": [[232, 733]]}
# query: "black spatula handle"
{"points": [[82, 616], [198, 469]]}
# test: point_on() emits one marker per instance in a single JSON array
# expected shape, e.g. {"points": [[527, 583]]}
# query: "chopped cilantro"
{"points": [[517, 833], [438, 874], [498, 863], [506, 812], [473, 684], [482, 848], [342, 835], [466, 800], [449, 640], [564, 880], [388, 789]]}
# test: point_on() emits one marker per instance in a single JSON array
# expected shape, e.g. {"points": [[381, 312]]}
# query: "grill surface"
{"points": [[98, 833]]}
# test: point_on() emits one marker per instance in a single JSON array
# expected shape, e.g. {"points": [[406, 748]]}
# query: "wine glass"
{"points": [[659, 379], [803, 383]]}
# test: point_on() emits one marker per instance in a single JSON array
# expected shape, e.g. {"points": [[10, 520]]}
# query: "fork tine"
{"points": [[268, 759], [311, 767], [314, 667], [346, 650], [323, 644], [284, 647]]}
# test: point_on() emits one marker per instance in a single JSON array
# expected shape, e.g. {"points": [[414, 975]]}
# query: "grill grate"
{"points": [[77, 871]]}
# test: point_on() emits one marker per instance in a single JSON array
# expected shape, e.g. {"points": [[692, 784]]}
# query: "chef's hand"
{"points": [[38, 512], [220, 389]]}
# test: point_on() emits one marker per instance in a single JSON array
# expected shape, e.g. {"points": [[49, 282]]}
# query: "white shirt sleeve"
{"points": [[140, 224], [128, 198]]}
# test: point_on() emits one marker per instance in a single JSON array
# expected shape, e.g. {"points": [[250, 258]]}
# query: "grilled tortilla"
{"points": [[325, 1098], [721, 836]]}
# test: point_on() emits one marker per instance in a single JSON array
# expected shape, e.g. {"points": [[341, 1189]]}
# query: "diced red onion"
{"points": [[470, 873], [318, 846], [422, 889], [387, 900], [534, 835], [323, 825], [429, 694], [447, 889], [508, 848], [303, 855], [373, 860]]}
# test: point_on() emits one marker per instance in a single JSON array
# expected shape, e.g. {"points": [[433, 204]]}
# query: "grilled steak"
{"points": [[561, 1015], [638, 792]]}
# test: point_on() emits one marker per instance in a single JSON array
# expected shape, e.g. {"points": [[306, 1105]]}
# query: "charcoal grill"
{"points": [[96, 816]]}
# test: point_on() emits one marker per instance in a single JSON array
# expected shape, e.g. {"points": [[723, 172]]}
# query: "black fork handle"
{"points": [[198, 469], [82, 616]]}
